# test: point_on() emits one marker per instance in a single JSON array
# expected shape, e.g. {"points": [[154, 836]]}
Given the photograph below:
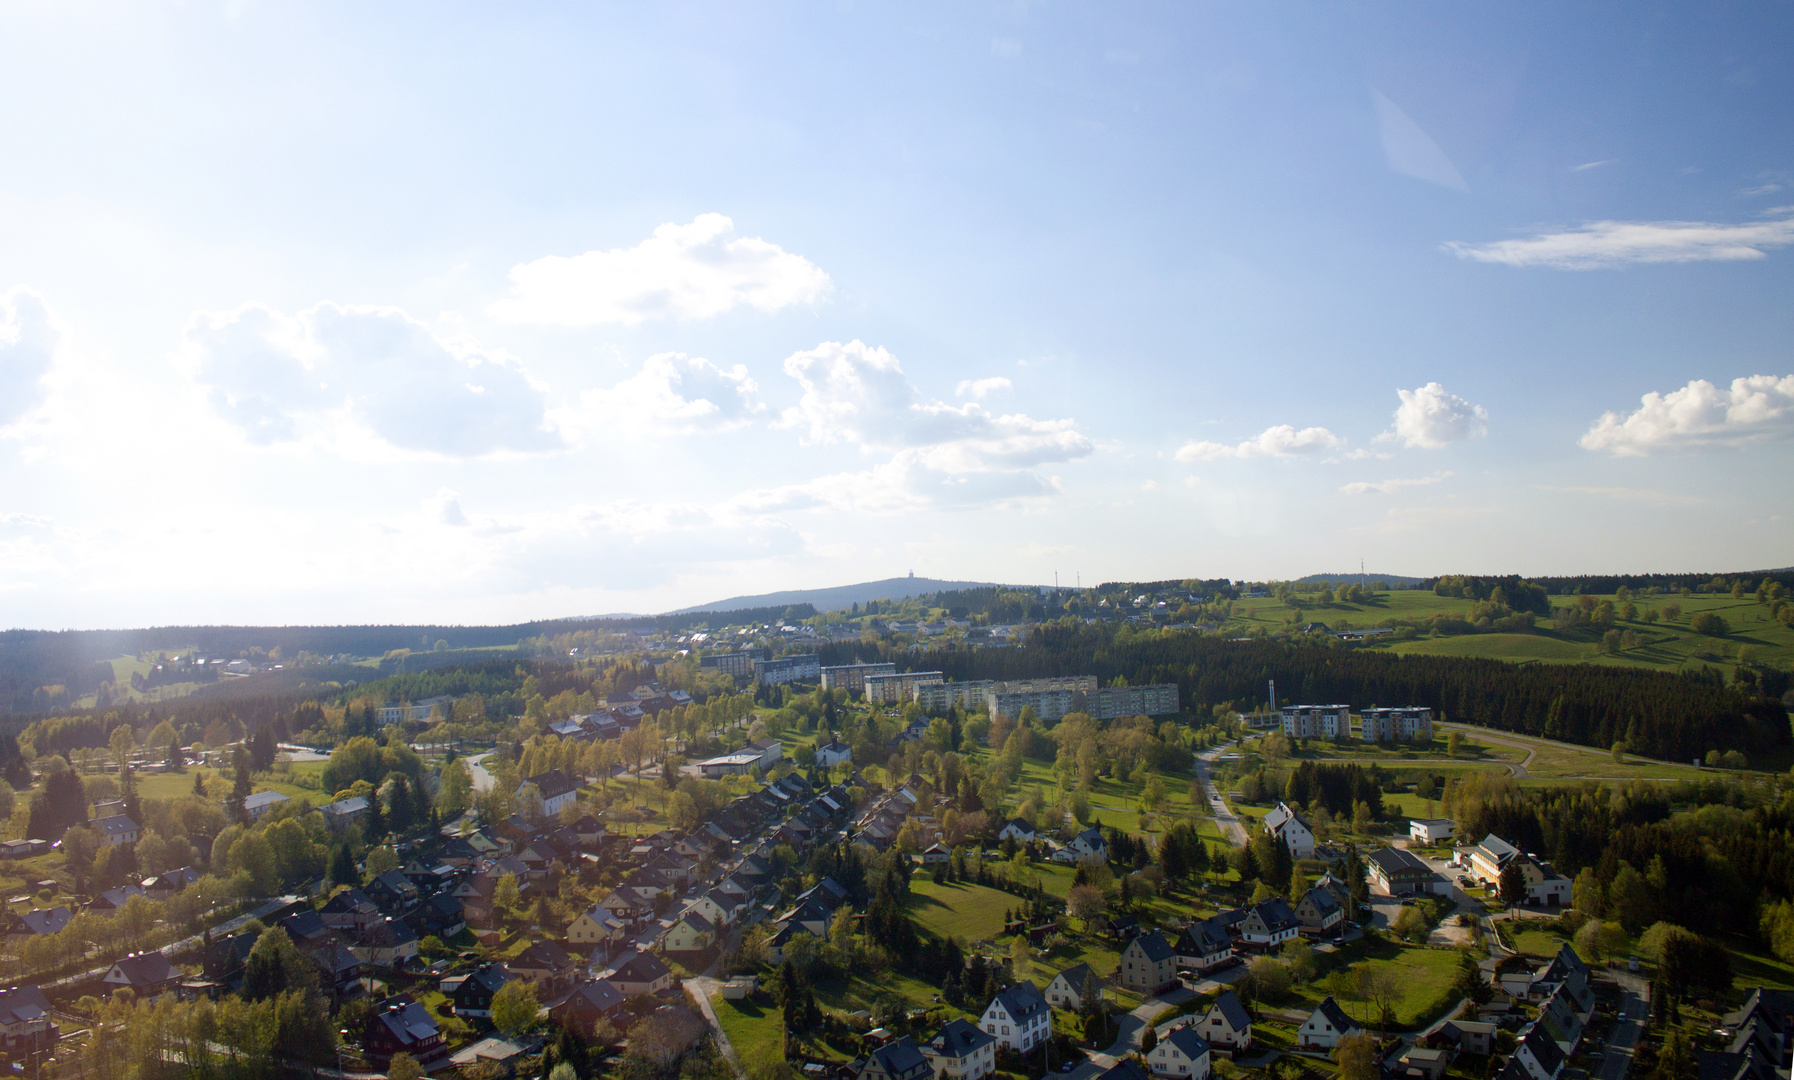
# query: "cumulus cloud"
{"points": [[281, 377], [1282, 440], [909, 482], [982, 388], [1754, 409], [690, 271], [1605, 244], [27, 346], [675, 393], [1432, 417], [1390, 487], [857, 394]]}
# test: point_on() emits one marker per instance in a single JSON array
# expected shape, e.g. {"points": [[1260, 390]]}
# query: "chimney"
{"points": [[1273, 695]]}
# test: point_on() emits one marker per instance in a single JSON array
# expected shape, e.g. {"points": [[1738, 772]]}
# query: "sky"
{"points": [[483, 313]]}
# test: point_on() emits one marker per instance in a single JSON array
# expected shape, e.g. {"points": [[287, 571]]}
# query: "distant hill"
{"points": [[1393, 579], [840, 596]]}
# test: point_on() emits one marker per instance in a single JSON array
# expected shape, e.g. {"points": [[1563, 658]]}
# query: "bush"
{"points": [[1710, 623]]}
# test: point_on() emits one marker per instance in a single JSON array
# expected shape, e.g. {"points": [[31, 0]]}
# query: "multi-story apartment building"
{"points": [[899, 687], [1317, 721], [1050, 699], [798, 667], [738, 664], [940, 697], [852, 677], [1114, 702], [1396, 725]]}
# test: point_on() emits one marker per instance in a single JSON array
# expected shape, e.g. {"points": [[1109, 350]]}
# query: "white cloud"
{"points": [[690, 271], [911, 481], [1754, 409], [1587, 165], [1625, 494], [1390, 487], [1282, 440], [673, 393], [27, 346], [1432, 417], [1411, 151], [982, 388], [1604, 244], [445, 508], [855, 393], [281, 378]]}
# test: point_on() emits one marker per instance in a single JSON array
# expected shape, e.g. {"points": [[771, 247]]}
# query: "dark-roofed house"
{"points": [[1395, 872], [1123, 1070], [548, 964], [388, 943], [399, 1025], [345, 812], [474, 996], [115, 899], [117, 829], [1539, 1053], [350, 910], [1203, 946], [899, 1060], [1074, 986], [25, 1023], [1018, 1017], [1148, 965], [1182, 1053], [589, 1003], [1286, 825], [1227, 1025], [1318, 913], [149, 974], [37, 923], [441, 915], [640, 973], [1267, 925], [1325, 1026], [959, 1051], [393, 891]]}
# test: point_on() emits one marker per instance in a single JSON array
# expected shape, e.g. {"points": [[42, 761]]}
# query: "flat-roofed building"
{"points": [[942, 697], [1396, 725], [798, 667], [1115, 702], [1317, 721], [852, 677], [738, 664], [897, 687]]}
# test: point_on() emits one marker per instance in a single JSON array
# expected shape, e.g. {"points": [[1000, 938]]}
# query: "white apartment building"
{"points": [[898, 687], [1396, 725], [852, 677], [1317, 721]]}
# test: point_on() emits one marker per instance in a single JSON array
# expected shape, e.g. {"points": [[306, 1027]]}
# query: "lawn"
{"points": [[756, 1031], [967, 912], [1424, 975], [1538, 943]]}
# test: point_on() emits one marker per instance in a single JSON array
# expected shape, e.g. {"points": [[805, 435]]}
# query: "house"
{"points": [[491, 1056], [1018, 830], [1286, 825], [163, 886], [399, 1025], [1073, 987], [590, 1002], [1396, 872], [937, 855], [1325, 1026], [25, 1023], [340, 969], [38, 922], [1123, 1070], [261, 802], [1545, 887], [959, 1051], [474, 996], [345, 812], [692, 933], [392, 891], [388, 943], [547, 964], [1538, 1053], [1431, 830], [114, 899], [117, 829], [1267, 925], [1226, 1025], [557, 788], [1182, 1053], [1464, 1036], [1018, 1017], [899, 1060], [639, 972], [350, 910], [1203, 946], [832, 753], [226, 954], [1318, 913], [599, 926], [1422, 1063], [1148, 965], [1088, 844], [440, 915], [149, 974]]}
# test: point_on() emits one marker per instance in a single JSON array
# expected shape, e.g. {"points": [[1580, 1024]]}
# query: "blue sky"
{"points": [[471, 313]]}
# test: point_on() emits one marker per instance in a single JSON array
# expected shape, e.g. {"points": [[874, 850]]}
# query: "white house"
{"points": [[1325, 1026], [1287, 825], [1018, 830], [1268, 925], [262, 802], [117, 829], [1539, 1054], [557, 788], [1088, 844], [832, 753], [1182, 1054], [1431, 830], [959, 1051], [1018, 1017], [1227, 1025], [1074, 986]]}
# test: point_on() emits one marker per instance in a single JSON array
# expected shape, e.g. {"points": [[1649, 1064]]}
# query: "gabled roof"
{"points": [[407, 1022], [263, 798], [1203, 938], [116, 825], [1153, 946], [959, 1039], [1021, 999], [545, 954], [1275, 914], [1543, 1047], [23, 1005], [597, 994], [640, 967], [1091, 838], [355, 804], [146, 969], [45, 920], [489, 977], [1498, 849], [1123, 1070], [1234, 1013], [1188, 1041], [1321, 899], [1336, 1016], [1019, 825], [351, 901], [1394, 861], [1077, 976], [389, 933]]}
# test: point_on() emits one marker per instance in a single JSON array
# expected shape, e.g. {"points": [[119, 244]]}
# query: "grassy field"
{"points": [[757, 1032], [967, 912], [1664, 645]]}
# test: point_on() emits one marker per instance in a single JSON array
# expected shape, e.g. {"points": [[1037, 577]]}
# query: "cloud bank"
{"points": [[1606, 244], [693, 271], [1757, 408], [27, 347], [282, 377], [1282, 440]]}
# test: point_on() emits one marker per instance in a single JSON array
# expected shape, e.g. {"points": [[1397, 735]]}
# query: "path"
{"points": [[482, 780], [1533, 743], [700, 990], [1224, 818], [1623, 1039], [1131, 1029]]}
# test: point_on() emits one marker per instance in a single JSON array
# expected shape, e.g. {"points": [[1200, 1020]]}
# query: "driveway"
{"points": [[1132, 1028]]}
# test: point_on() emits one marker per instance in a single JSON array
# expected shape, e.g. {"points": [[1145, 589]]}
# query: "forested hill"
{"points": [[1671, 716]]}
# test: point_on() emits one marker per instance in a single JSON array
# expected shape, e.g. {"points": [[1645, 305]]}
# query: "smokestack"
{"points": [[1273, 695]]}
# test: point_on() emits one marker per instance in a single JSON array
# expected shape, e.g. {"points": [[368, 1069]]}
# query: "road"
{"points": [[482, 780], [1224, 818], [1623, 1039]]}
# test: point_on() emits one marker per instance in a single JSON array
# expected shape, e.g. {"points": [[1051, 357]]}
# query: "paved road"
{"points": [[1625, 1035], [1131, 1029], [1224, 818], [482, 780]]}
